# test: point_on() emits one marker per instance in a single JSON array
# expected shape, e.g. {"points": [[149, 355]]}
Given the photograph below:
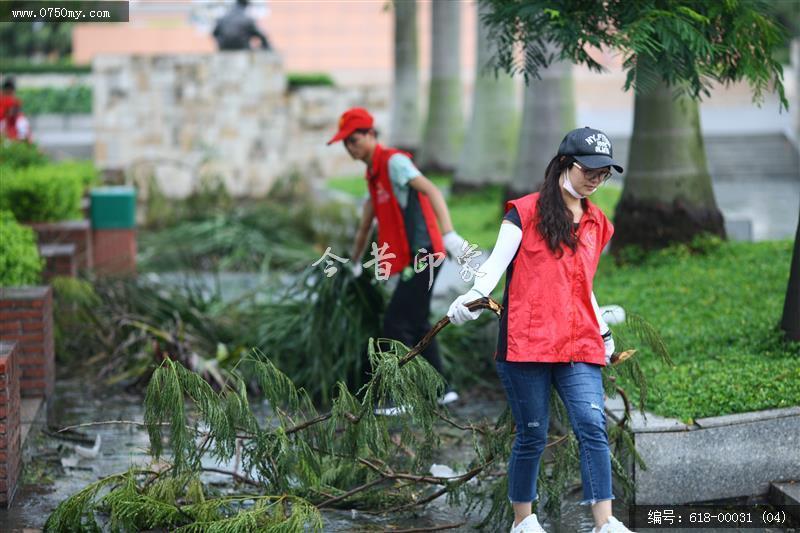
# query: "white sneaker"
{"points": [[612, 526], [449, 397], [529, 525]]}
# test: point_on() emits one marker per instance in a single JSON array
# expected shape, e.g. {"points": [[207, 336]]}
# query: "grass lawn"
{"points": [[717, 312]]}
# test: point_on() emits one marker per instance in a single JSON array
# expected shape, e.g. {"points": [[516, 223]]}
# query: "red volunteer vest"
{"points": [[7, 101], [391, 222], [548, 309]]}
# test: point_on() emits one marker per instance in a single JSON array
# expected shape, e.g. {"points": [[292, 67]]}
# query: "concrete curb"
{"points": [[715, 458]]}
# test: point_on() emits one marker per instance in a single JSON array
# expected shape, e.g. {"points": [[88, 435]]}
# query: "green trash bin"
{"points": [[113, 207]]}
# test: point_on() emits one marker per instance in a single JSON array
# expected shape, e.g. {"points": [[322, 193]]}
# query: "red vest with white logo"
{"points": [[548, 307], [391, 223]]}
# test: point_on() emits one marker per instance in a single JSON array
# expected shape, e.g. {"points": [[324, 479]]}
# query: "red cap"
{"points": [[353, 119]]}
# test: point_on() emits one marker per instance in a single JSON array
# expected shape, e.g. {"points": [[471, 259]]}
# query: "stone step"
{"points": [[756, 156], [787, 495]]}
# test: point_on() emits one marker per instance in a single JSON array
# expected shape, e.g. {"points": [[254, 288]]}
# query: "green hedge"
{"points": [[26, 67], [14, 154], [20, 263], [309, 79], [67, 100], [46, 193]]}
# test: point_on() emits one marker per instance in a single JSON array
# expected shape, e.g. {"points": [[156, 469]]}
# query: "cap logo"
{"points": [[341, 121], [600, 142]]}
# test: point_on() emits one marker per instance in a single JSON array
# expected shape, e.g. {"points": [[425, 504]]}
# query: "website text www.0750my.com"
{"points": [[48, 11], [60, 13]]}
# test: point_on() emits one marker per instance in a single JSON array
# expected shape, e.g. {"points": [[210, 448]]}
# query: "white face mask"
{"points": [[568, 186]]}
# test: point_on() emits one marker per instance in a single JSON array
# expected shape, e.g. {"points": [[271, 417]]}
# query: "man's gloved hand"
{"points": [[608, 340], [453, 243], [458, 312]]}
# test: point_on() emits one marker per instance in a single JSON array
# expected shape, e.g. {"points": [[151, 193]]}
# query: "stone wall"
{"points": [[229, 115]]}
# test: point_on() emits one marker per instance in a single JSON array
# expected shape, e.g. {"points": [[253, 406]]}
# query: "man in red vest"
{"points": [[413, 223], [8, 98]]}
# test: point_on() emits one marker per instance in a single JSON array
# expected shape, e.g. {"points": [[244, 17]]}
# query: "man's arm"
{"points": [[255, 32], [367, 215], [264, 41], [426, 186]]}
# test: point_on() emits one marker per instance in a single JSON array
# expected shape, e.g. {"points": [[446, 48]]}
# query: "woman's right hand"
{"points": [[458, 312]]}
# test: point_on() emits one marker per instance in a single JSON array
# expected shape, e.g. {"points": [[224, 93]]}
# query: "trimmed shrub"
{"points": [[309, 79], [62, 100], [84, 171], [20, 263], [45, 193], [27, 67], [15, 154]]}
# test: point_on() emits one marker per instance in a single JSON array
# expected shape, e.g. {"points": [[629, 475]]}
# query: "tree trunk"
{"points": [[795, 59], [443, 126], [405, 133], [487, 155], [667, 195], [791, 306], [548, 114]]}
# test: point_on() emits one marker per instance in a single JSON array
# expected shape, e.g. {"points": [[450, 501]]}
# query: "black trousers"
{"points": [[406, 316]]}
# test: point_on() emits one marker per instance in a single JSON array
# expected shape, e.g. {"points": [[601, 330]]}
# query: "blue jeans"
{"points": [[580, 387]]}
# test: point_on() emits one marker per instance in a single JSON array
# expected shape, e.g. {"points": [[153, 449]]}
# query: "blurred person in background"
{"points": [[236, 28]]}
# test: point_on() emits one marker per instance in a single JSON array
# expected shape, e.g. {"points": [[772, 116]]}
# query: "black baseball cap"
{"points": [[589, 147]]}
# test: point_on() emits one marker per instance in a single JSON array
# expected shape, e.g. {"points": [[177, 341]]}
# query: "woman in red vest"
{"points": [[551, 329], [413, 226]]}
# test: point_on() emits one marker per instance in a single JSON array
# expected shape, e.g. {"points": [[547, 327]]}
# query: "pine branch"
{"points": [[335, 454]]}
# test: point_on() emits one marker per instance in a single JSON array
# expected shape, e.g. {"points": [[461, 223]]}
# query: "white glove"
{"points": [[453, 243], [458, 312], [356, 269], [609, 343]]}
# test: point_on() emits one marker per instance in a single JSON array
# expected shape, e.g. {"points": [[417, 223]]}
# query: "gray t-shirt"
{"points": [[401, 172]]}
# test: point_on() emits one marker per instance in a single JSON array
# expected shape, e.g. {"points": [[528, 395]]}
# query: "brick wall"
{"points": [[60, 260], [77, 232], [114, 251], [10, 453], [26, 316]]}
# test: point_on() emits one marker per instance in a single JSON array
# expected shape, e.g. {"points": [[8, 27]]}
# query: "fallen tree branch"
{"points": [[351, 492], [234, 475]]}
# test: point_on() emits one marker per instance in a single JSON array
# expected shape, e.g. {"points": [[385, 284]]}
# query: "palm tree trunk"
{"points": [[487, 155], [439, 150], [791, 306], [405, 133], [667, 195], [548, 114]]}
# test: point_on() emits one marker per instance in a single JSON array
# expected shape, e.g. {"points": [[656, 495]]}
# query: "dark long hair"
{"points": [[554, 219]]}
